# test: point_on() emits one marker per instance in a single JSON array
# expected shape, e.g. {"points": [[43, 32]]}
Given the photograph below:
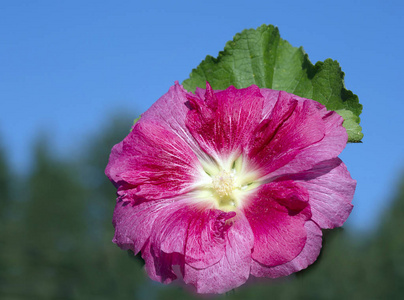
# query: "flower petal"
{"points": [[234, 267], [331, 190], [329, 147], [196, 232], [223, 122], [206, 238], [292, 126], [159, 267], [116, 165], [306, 257], [133, 223], [170, 112], [277, 213], [270, 99], [154, 162]]}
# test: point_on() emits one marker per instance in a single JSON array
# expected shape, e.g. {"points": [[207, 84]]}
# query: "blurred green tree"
{"points": [[384, 256], [5, 193], [53, 231], [5, 189]]}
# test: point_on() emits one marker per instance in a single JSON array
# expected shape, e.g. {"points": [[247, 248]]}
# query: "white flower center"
{"points": [[226, 184]]}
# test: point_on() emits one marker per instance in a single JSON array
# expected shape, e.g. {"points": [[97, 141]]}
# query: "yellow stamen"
{"points": [[223, 183]]}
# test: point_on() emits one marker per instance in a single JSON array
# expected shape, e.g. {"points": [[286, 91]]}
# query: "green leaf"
{"points": [[259, 56], [351, 124]]}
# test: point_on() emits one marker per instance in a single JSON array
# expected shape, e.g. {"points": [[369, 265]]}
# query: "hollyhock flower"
{"points": [[228, 184]]}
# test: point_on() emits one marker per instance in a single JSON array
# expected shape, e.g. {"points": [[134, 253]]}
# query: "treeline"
{"points": [[55, 240]]}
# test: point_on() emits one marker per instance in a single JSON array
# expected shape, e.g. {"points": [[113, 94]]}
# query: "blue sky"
{"points": [[65, 66]]}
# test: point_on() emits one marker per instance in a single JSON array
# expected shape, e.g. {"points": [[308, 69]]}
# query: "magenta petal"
{"points": [[292, 126], [277, 213], [270, 99], [133, 223], [170, 112], [159, 267], [155, 162], [170, 230], [233, 269], [223, 121], [116, 165], [306, 257], [206, 238], [331, 190], [334, 141], [196, 232]]}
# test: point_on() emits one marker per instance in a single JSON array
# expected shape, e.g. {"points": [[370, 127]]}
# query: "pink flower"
{"points": [[228, 184]]}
